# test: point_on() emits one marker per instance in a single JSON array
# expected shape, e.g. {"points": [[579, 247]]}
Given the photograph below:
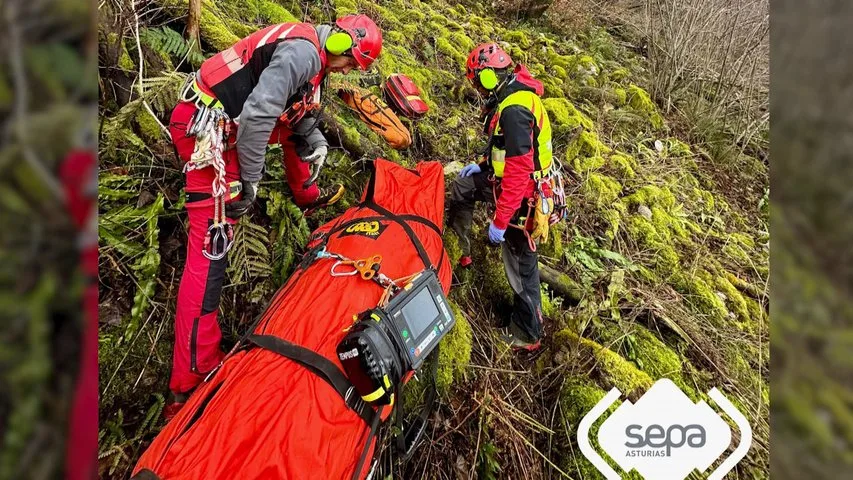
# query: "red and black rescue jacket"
{"points": [[231, 75]]}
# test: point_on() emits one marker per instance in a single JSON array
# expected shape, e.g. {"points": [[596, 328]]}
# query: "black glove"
{"points": [[238, 208]]}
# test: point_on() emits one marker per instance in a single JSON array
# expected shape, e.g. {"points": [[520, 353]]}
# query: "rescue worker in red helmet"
{"points": [[517, 154], [264, 90]]}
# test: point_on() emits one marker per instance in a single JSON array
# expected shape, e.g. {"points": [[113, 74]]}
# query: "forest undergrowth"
{"points": [[660, 271]]}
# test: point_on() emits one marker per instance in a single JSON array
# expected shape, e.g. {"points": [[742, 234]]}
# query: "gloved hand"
{"points": [[318, 158], [238, 208], [496, 235], [469, 170]]}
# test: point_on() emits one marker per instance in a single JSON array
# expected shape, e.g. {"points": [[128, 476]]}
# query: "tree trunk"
{"points": [[561, 284], [193, 18]]}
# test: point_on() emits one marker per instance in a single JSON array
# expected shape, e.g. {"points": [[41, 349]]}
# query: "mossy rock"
{"points": [[601, 190], [639, 100], [455, 352], [577, 397], [270, 12], [586, 144], [651, 195], [623, 164], [588, 164], [451, 246], [565, 116], [666, 258], [149, 129], [612, 370], [698, 289]]}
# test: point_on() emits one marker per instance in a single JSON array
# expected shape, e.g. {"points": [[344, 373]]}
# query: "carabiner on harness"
{"points": [[217, 241]]}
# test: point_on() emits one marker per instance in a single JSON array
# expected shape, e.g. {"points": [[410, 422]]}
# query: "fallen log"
{"points": [[561, 284], [334, 131]]}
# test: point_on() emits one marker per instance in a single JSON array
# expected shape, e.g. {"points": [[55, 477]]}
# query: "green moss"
{"points": [[668, 224], [443, 45], [586, 65], [698, 289], [613, 218], [490, 270], [601, 189], [577, 397], [124, 60], [553, 87], [451, 246], [705, 199], [554, 247], [149, 129], [677, 148], [736, 253], [620, 96], [619, 74], [735, 300], [586, 144], [614, 371], [587, 164], [640, 101], [564, 116], [624, 164], [559, 72], [651, 195], [742, 239], [666, 259], [518, 38], [463, 43], [345, 7], [455, 352], [272, 12]]}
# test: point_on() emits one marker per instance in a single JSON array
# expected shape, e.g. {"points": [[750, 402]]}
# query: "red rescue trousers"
{"points": [[197, 333]]}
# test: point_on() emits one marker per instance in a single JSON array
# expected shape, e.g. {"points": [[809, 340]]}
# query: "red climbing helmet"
{"points": [[486, 55], [366, 37]]}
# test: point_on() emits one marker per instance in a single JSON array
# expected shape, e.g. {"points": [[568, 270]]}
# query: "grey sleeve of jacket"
{"points": [[293, 64], [314, 138]]}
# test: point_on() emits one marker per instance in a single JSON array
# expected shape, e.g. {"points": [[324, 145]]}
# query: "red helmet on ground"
{"points": [[366, 38], [486, 55]]}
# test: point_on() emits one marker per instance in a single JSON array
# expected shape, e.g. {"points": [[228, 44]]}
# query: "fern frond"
{"points": [[166, 41], [250, 256]]}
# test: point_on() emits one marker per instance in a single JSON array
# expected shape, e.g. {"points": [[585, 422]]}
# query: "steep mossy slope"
{"points": [[669, 271]]}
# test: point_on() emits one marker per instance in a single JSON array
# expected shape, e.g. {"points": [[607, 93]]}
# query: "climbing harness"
{"points": [[546, 208], [211, 129]]}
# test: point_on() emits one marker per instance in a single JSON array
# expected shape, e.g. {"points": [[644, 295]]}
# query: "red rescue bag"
{"points": [[404, 96]]}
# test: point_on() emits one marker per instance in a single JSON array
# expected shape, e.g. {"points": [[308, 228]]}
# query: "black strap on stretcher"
{"points": [[320, 366]]}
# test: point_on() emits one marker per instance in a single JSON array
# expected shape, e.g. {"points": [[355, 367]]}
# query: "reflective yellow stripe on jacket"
{"points": [[205, 98], [542, 154]]}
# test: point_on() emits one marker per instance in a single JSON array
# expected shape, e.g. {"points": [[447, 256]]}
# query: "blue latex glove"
{"points": [[469, 170], [496, 235]]}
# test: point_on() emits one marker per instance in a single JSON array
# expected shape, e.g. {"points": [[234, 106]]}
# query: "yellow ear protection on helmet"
{"points": [[488, 78], [338, 43]]}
